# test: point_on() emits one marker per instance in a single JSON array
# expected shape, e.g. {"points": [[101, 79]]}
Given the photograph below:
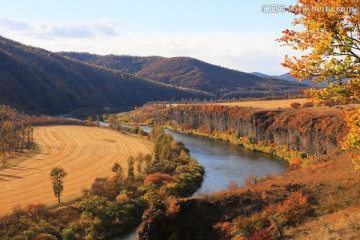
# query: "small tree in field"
{"points": [[57, 174]]}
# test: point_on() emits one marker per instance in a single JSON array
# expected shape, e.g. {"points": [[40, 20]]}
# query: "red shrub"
{"points": [[158, 179], [204, 129], [186, 127], [296, 161], [104, 187], [261, 235]]}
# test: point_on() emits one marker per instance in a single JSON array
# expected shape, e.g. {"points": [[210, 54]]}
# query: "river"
{"points": [[224, 163]]}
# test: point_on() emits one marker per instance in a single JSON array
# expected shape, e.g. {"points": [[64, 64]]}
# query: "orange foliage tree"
{"points": [[158, 178], [330, 46]]}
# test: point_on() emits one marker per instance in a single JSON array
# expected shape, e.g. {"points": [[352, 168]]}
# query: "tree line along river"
{"points": [[224, 163]]}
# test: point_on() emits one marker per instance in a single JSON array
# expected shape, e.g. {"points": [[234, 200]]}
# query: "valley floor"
{"points": [[84, 152]]}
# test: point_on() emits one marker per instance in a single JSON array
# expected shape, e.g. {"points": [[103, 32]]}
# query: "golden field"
{"points": [[84, 152]]}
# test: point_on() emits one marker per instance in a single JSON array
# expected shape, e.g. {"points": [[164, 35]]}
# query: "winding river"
{"points": [[224, 163]]}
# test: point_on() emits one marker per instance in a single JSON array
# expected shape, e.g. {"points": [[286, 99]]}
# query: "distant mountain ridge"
{"points": [[192, 73], [42, 81], [285, 76]]}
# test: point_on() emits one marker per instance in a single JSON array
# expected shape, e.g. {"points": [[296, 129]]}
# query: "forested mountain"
{"points": [[41, 81], [194, 74]]}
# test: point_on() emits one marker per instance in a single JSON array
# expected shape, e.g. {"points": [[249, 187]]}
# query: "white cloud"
{"points": [[91, 29], [13, 24], [248, 51]]}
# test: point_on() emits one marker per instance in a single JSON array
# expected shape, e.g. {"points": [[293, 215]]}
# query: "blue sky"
{"points": [[230, 33]]}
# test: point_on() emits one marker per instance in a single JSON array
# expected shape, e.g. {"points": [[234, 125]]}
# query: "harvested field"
{"points": [[84, 152], [267, 105]]}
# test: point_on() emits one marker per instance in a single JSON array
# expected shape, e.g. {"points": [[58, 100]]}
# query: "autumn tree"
{"points": [[14, 137], [139, 166], [57, 174], [131, 169], [115, 167], [329, 43], [104, 187], [119, 178]]}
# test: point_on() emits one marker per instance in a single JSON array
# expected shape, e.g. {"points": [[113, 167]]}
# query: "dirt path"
{"points": [[85, 153]]}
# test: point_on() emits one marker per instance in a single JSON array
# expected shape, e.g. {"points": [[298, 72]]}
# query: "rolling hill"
{"points": [[37, 80], [285, 76], [192, 73]]}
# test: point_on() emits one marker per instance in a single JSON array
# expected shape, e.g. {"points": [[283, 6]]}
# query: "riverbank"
{"points": [[316, 194], [282, 152], [299, 136], [225, 164], [322, 196], [291, 157]]}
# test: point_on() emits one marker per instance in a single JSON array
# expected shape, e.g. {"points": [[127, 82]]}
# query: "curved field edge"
{"points": [[81, 151]]}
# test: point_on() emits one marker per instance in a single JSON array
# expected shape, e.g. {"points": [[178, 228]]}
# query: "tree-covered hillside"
{"points": [[41, 81], [194, 74]]}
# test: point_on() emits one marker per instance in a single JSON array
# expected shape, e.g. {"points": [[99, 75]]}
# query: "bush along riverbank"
{"points": [[114, 204]]}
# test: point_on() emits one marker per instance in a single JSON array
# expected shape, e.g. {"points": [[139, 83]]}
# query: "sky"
{"points": [[235, 34]]}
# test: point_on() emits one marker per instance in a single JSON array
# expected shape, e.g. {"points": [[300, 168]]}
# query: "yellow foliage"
{"points": [[329, 43]]}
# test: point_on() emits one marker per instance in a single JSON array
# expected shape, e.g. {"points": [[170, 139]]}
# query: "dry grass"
{"points": [[286, 105], [266, 105], [85, 153], [344, 224]]}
